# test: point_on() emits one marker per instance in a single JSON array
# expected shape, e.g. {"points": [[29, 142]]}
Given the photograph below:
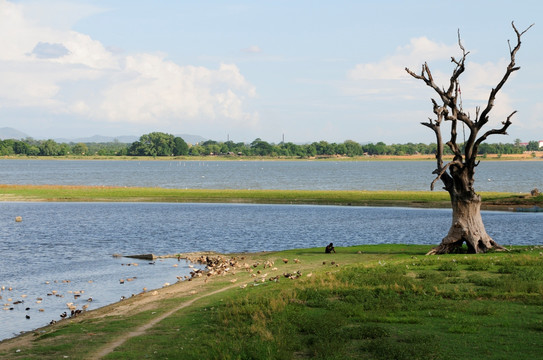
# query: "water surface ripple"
{"points": [[506, 176]]}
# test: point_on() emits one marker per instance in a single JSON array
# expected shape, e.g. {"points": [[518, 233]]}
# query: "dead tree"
{"points": [[457, 175]]}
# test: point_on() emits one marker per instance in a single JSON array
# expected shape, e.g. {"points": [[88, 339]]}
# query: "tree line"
{"points": [[162, 144]]}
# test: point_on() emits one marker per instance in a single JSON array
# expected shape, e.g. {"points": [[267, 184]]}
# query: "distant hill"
{"points": [[99, 139], [11, 133], [191, 139]]}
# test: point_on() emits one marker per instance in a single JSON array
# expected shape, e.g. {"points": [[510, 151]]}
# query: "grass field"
{"points": [[502, 201], [364, 302]]}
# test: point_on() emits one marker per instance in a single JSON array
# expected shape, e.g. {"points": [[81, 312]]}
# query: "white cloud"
{"points": [[150, 89], [412, 55], [386, 82], [479, 79], [63, 71], [388, 78]]}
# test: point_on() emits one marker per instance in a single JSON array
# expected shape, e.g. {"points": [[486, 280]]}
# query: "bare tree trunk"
{"points": [[467, 226]]}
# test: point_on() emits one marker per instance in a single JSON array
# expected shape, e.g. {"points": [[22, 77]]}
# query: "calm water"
{"points": [[509, 176], [75, 242]]}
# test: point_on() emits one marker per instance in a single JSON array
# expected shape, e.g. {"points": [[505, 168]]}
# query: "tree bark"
{"points": [[467, 227]]}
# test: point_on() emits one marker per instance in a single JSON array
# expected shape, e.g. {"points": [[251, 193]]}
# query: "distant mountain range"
{"points": [[10, 133]]}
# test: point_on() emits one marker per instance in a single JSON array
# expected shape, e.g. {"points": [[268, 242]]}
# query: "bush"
{"points": [[448, 266]]}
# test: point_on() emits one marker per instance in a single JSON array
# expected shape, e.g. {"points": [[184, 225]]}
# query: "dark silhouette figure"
{"points": [[330, 249]]}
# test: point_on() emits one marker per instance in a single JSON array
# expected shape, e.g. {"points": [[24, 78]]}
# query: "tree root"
{"points": [[455, 247]]}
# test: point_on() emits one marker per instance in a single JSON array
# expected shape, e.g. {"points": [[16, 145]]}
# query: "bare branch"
{"points": [[516, 31], [442, 171], [452, 142], [510, 69], [501, 131], [453, 83], [426, 76], [459, 177]]}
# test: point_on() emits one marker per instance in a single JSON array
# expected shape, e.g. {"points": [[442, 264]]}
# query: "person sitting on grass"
{"points": [[330, 249]]}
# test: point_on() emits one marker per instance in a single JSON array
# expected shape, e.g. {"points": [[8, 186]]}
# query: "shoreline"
{"points": [[48, 298], [193, 287], [526, 156]]}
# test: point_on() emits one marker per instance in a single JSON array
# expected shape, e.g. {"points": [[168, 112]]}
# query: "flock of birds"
{"points": [[77, 300], [9, 304], [259, 271]]}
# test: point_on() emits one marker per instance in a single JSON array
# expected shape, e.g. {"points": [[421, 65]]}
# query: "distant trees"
{"points": [[180, 147], [158, 144], [532, 146], [52, 148], [80, 149], [162, 144], [31, 147]]}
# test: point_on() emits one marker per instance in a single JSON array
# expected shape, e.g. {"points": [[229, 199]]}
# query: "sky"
{"points": [[302, 70]]}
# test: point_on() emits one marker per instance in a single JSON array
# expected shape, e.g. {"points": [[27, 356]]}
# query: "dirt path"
{"points": [[142, 329]]}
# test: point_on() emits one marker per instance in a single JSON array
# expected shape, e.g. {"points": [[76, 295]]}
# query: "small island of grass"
{"points": [[427, 199]]}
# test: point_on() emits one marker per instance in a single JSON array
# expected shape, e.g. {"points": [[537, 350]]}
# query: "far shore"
{"points": [[526, 156]]}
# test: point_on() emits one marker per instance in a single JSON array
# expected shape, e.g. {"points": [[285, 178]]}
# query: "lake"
{"points": [[504, 176]]}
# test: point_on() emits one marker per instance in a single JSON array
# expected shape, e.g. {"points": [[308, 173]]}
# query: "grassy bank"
{"points": [[502, 201], [364, 302]]}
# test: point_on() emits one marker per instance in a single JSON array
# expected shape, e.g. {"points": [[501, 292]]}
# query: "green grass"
{"points": [[368, 312], [382, 302], [340, 197]]}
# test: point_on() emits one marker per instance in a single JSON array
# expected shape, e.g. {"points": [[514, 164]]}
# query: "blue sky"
{"points": [[311, 70]]}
